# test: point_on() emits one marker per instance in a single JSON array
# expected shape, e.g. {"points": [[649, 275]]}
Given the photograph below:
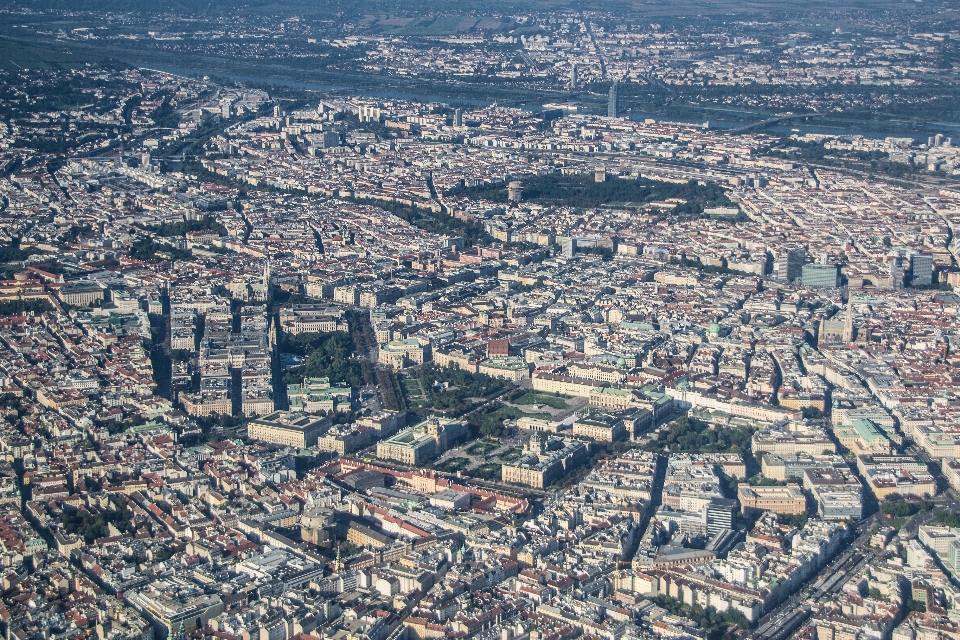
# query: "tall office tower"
{"points": [[330, 139], [819, 275], [458, 118], [921, 269], [721, 513], [789, 264], [612, 100], [573, 76], [896, 273]]}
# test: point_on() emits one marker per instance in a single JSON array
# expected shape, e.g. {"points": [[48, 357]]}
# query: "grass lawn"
{"points": [[489, 471], [540, 398], [511, 454], [17, 56], [482, 448], [453, 465], [412, 386]]}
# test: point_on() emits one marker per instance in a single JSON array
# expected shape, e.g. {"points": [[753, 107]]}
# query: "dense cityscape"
{"points": [[541, 324]]}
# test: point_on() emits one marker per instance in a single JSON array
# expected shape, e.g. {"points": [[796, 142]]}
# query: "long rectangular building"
{"points": [[288, 428]]}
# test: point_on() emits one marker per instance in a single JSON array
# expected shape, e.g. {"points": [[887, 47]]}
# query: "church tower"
{"points": [[848, 332]]}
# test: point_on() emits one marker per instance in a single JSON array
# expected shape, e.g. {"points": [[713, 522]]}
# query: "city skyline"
{"points": [[325, 322]]}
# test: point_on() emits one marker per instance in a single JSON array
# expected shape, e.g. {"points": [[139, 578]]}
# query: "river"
{"points": [[801, 127]]}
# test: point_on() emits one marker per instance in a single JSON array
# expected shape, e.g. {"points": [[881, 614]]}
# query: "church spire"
{"points": [[848, 324]]}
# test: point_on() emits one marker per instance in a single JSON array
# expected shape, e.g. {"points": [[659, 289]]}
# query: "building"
{"points": [[787, 500], [814, 442], [903, 474], [171, 604], [819, 275], [464, 360], [312, 318], [345, 439], [81, 294], [614, 399], [848, 329], [384, 423], [613, 100], [364, 536], [721, 513], [598, 372], [838, 503], [951, 472], [536, 424], [884, 482], [837, 492], [564, 385], [422, 441], [921, 269], [600, 427], [330, 139], [544, 461], [789, 264], [346, 294], [318, 394], [512, 368], [897, 274], [864, 437], [206, 403], [400, 354], [450, 500], [288, 428]]}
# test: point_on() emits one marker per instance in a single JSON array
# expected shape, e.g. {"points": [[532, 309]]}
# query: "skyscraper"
{"points": [[921, 269], [458, 118], [789, 263], [573, 76], [612, 100], [896, 273]]}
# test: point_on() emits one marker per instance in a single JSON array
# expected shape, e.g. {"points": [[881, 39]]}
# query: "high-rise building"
{"points": [[789, 264], [515, 191], [458, 118], [819, 275], [613, 100], [573, 76], [896, 273], [721, 514], [330, 139], [921, 269]]}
